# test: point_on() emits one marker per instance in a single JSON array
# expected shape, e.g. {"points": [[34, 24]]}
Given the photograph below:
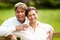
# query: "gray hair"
{"points": [[21, 5]]}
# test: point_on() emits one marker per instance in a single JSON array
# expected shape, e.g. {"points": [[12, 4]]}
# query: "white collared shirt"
{"points": [[40, 32], [9, 25]]}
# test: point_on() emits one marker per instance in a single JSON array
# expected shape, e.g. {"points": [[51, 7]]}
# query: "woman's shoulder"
{"points": [[44, 25]]}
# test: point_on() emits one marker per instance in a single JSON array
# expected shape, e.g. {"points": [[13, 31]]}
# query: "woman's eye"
{"points": [[29, 15]]}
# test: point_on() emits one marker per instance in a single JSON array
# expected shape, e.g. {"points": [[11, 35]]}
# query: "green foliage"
{"points": [[5, 5], [36, 3], [54, 2], [50, 16], [5, 14], [31, 3]]}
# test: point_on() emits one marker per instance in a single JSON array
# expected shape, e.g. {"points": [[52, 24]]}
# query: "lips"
{"points": [[33, 19]]}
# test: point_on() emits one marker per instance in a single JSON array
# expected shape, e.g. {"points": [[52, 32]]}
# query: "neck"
{"points": [[33, 25], [22, 21]]}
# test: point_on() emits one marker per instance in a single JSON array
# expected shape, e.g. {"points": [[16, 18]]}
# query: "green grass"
{"points": [[5, 14], [50, 16]]}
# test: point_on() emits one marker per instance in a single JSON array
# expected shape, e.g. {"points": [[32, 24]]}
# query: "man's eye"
{"points": [[22, 11], [18, 12]]}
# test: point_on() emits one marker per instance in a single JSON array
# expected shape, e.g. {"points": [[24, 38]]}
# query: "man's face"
{"points": [[20, 14]]}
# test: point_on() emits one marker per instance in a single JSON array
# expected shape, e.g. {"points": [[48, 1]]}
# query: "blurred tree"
{"points": [[55, 3], [36, 3]]}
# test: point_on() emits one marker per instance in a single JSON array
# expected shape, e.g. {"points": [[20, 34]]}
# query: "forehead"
{"points": [[32, 12], [20, 9]]}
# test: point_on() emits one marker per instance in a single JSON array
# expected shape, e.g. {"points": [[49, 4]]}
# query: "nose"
{"points": [[20, 13], [32, 16]]}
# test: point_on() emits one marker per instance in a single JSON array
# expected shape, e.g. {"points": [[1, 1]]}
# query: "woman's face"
{"points": [[32, 16]]}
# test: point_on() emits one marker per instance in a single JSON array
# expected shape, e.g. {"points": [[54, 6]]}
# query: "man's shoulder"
{"points": [[12, 19]]}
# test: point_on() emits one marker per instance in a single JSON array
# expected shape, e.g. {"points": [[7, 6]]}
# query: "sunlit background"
{"points": [[48, 10]]}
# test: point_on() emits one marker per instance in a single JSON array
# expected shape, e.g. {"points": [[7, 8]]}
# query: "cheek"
{"points": [[36, 17], [23, 13], [17, 15], [29, 18]]}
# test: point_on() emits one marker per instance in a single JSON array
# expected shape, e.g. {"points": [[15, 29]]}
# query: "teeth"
{"points": [[20, 17]]}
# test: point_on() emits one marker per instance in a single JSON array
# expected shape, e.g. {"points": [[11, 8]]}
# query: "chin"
{"points": [[33, 21]]}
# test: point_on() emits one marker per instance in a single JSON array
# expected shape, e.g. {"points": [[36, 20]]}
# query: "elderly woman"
{"points": [[36, 30]]}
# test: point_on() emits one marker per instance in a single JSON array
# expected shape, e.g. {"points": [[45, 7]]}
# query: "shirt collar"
{"points": [[25, 22]]}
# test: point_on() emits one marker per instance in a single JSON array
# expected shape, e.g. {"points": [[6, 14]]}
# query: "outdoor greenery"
{"points": [[37, 3], [50, 16], [48, 11]]}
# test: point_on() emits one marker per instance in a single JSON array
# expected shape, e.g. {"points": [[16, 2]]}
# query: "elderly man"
{"points": [[14, 24]]}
